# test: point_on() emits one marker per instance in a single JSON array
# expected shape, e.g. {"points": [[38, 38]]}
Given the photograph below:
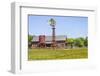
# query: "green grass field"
{"points": [[48, 54]]}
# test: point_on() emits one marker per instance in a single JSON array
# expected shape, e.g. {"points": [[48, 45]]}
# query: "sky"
{"points": [[71, 26]]}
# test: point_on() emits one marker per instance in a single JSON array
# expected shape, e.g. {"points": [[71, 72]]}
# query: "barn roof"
{"points": [[49, 38]]}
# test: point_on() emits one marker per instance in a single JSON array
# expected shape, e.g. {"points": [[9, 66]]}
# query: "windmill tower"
{"points": [[52, 23]]}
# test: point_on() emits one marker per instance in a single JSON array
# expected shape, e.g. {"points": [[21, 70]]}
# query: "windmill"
{"points": [[52, 23]]}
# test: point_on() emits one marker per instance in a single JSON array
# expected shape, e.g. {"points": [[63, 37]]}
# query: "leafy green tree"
{"points": [[82, 39], [30, 37], [86, 42], [79, 42], [70, 41]]}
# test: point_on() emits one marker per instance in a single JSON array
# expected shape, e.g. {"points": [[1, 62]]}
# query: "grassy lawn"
{"points": [[44, 54]]}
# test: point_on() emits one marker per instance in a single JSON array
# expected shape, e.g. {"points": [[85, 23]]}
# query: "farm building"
{"points": [[46, 41]]}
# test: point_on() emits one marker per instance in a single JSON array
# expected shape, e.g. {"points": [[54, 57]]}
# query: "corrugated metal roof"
{"points": [[49, 38]]}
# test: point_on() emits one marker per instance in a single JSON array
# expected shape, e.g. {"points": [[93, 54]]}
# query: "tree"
{"points": [[30, 37], [86, 42], [79, 42], [70, 41]]}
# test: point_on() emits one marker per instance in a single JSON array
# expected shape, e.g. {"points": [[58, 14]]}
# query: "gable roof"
{"points": [[49, 38]]}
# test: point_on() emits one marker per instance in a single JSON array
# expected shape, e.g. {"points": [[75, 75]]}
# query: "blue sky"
{"points": [[71, 26]]}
